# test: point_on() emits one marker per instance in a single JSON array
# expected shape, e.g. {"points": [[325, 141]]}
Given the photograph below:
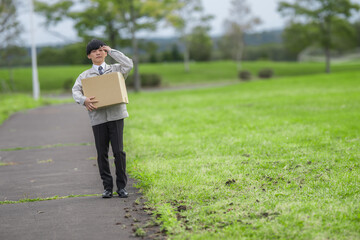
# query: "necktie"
{"points": [[101, 70]]}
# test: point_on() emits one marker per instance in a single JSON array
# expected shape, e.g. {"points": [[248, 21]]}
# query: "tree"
{"points": [[151, 49], [200, 44], [188, 16], [69, 54], [175, 53], [110, 18], [97, 18], [298, 36], [9, 26], [319, 21], [144, 15], [10, 57], [240, 21], [9, 32], [172, 54], [356, 26]]}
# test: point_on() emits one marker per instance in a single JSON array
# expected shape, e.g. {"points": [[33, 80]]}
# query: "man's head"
{"points": [[95, 52], [93, 45]]}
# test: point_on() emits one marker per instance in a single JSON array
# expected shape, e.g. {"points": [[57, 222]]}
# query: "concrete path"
{"points": [[49, 152]]}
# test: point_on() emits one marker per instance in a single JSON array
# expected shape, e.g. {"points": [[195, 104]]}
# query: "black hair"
{"points": [[93, 45]]}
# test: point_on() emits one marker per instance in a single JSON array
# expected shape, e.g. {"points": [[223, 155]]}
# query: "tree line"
{"points": [[324, 24], [171, 50]]}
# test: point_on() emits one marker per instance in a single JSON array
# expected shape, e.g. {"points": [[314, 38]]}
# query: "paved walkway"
{"points": [[48, 152]]}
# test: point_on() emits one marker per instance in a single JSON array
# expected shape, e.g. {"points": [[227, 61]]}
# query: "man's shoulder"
{"points": [[112, 67], [85, 73]]}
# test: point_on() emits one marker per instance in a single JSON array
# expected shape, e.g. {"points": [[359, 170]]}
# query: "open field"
{"points": [[276, 159], [53, 78], [269, 159]]}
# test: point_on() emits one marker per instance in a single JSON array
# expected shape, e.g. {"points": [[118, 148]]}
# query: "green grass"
{"points": [[45, 199], [45, 146], [53, 78], [276, 159], [11, 103]]}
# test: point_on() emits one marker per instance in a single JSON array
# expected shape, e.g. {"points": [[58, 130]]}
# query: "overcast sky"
{"points": [[264, 9]]}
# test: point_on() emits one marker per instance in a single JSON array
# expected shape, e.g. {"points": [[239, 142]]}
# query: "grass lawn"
{"points": [[11, 103], [272, 159], [53, 78]]}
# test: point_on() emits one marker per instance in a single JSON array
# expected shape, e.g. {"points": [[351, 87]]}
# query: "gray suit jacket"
{"points": [[110, 113]]}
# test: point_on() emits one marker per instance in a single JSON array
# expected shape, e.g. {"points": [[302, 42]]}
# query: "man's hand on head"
{"points": [[106, 48], [89, 103]]}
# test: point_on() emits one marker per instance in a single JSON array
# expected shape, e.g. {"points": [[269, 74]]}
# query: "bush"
{"points": [[147, 80], [266, 73], [244, 75], [68, 84]]}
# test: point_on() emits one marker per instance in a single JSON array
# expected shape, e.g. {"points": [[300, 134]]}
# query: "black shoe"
{"points": [[123, 193], [107, 194]]}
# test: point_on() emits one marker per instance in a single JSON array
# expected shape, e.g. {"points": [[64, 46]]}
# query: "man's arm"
{"points": [[80, 98], [125, 64], [77, 92]]}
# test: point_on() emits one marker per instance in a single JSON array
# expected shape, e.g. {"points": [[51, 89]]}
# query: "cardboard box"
{"points": [[108, 89]]}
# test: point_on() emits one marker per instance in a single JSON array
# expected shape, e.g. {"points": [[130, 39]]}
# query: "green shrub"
{"points": [[244, 75], [147, 80], [68, 84], [265, 73]]}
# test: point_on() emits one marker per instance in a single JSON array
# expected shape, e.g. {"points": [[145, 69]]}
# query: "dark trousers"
{"points": [[111, 132]]}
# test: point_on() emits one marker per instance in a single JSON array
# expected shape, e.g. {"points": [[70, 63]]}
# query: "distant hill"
{"points": [[251, 39], [260, 38], [165, 44]]}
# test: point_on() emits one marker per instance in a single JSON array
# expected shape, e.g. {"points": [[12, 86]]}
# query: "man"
{"points": [[107, 122]]}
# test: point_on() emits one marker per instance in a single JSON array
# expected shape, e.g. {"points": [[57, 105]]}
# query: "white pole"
{"points": [[35, 79]]}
